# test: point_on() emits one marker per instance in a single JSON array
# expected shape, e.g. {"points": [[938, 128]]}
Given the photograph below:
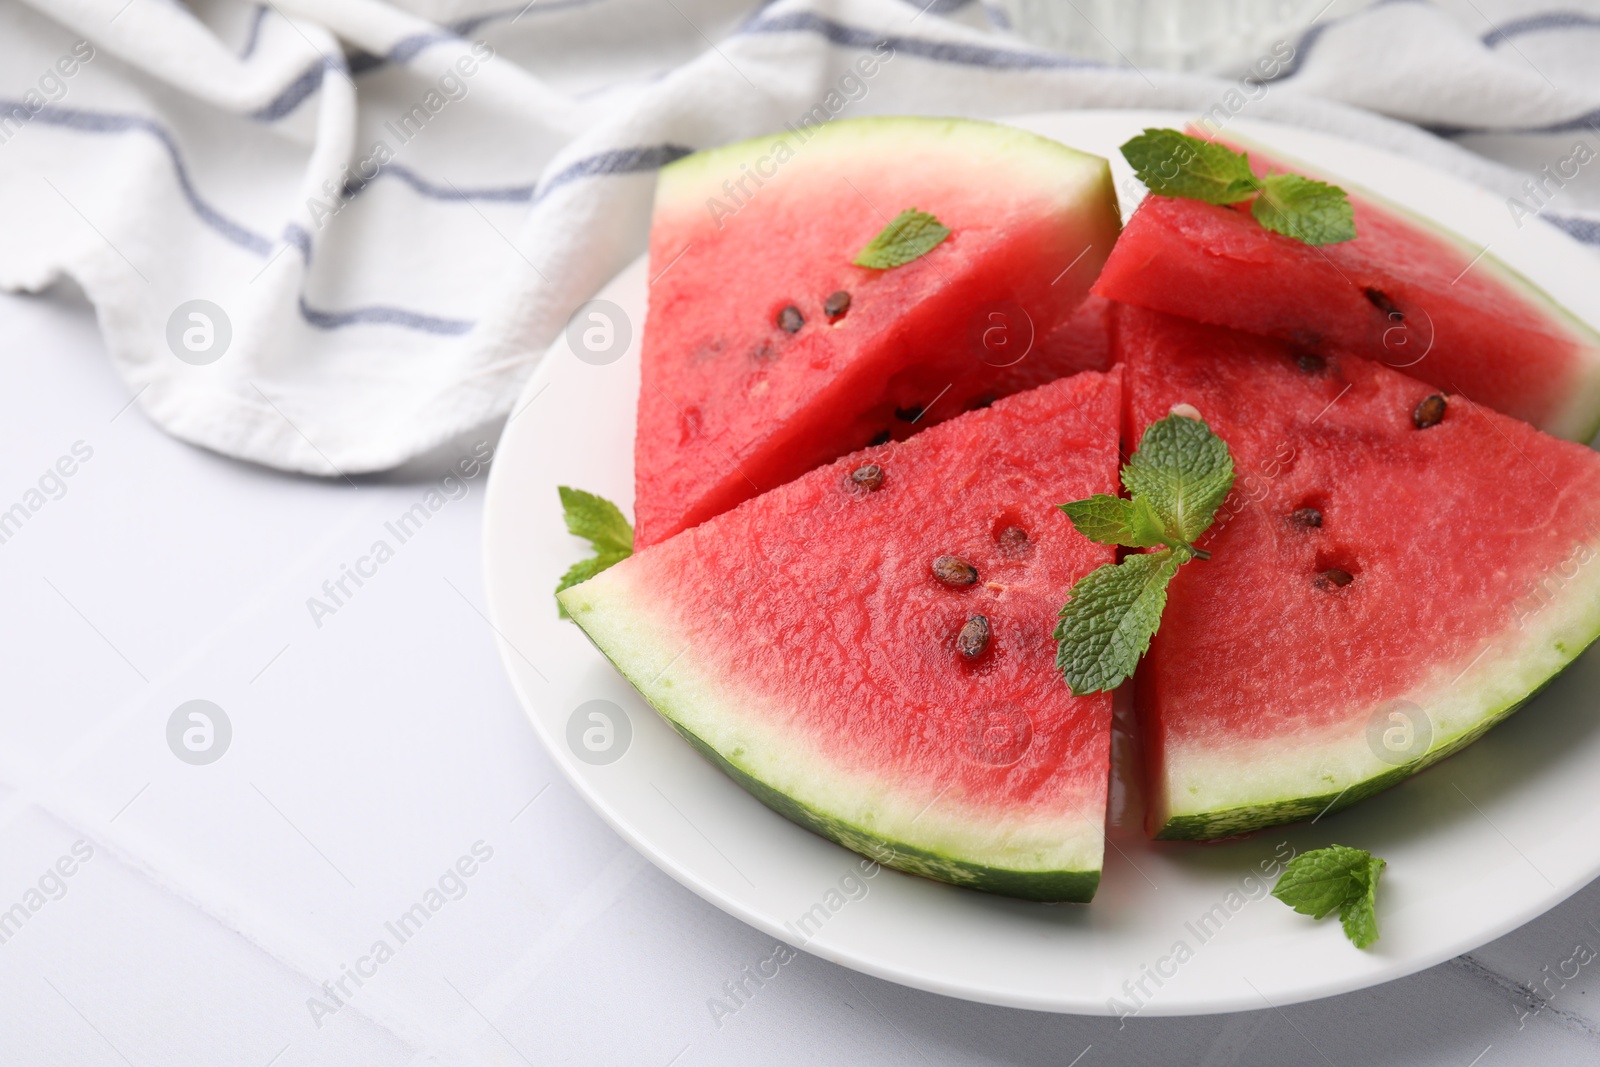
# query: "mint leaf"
{"points": [[596, 520], [1359, 916], [1106, 626], [1337, 877], [1184, 471], [1177, 479], [1174, 164], [1114, 520], [1305, 209], [601, 523], [911, 234], [1316, 883]]}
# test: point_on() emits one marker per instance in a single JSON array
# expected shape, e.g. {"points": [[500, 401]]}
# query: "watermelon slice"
{"points": [[1405, 293], [1378, 594], [817, 643], [767, 352]]}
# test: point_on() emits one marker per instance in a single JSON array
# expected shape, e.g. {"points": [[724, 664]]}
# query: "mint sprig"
{"points": [[1177, 479], [601, 523], [1175, 164], [1305, 209], [909, 235], [1315, 883]]}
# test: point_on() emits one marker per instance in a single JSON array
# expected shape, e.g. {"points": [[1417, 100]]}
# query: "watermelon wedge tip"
{"points": [[868, 649]]}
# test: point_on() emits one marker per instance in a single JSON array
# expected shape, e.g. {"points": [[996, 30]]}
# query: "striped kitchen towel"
{"points": [[330, 235]]}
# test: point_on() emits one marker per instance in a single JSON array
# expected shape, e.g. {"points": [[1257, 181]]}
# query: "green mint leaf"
{"points": [[912, 233], [1177, 480], [1307, 210], [1107, 624], [1114, 520], [1316, 883], [1359, 915], [1184, 472], [596, 520], [1174, 164], [1336, 877], [601, 523]]}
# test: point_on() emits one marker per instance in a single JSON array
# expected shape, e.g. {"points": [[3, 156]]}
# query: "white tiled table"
{"points": [[373, 753]]}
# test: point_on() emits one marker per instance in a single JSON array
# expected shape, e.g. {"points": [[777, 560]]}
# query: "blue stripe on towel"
{"points": [[408, 47], [615, 161], [1547, 20], [971, 55], [388, 316], [1585, 230], [297, 91], [103, 122]]}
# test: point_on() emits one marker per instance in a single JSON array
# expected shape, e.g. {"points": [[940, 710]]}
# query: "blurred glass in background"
{"points": [[1221, 37]]}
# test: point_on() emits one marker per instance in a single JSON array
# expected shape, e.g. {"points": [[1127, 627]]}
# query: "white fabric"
{"points": [[218, 156]]}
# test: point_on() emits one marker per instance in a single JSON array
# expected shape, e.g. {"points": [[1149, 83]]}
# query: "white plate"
{"points": [[1476, 846]]}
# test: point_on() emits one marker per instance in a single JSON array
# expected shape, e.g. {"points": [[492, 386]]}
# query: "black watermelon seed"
{"points": [[953, 570], [910, 414], [1307, 517], [881, 438], [790, 320], [836, 305], [1380, 300], [1334, 578], [868, 476], [1429, 413], [1311, 363], [980, 403], [974, 637]]}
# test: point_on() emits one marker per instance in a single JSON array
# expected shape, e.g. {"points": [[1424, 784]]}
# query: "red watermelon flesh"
{"points": [[732, 403], [1082, 342], [1405, 293], [1378, 595], [804, 644]]}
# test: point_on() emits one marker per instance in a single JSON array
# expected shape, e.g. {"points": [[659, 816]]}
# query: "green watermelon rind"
{"points": [[1580, 421], [1046, 886], [1214, 824], [608, 615], [1075, 177], [1572, 624]]}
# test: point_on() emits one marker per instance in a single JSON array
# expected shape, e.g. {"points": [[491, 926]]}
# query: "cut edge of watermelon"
{"points": [[1580, 419], [1266, 783], [784, 772]]}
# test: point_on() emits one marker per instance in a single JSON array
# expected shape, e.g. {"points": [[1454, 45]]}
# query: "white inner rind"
{"points": [[1457, 698], [766, 739]]}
